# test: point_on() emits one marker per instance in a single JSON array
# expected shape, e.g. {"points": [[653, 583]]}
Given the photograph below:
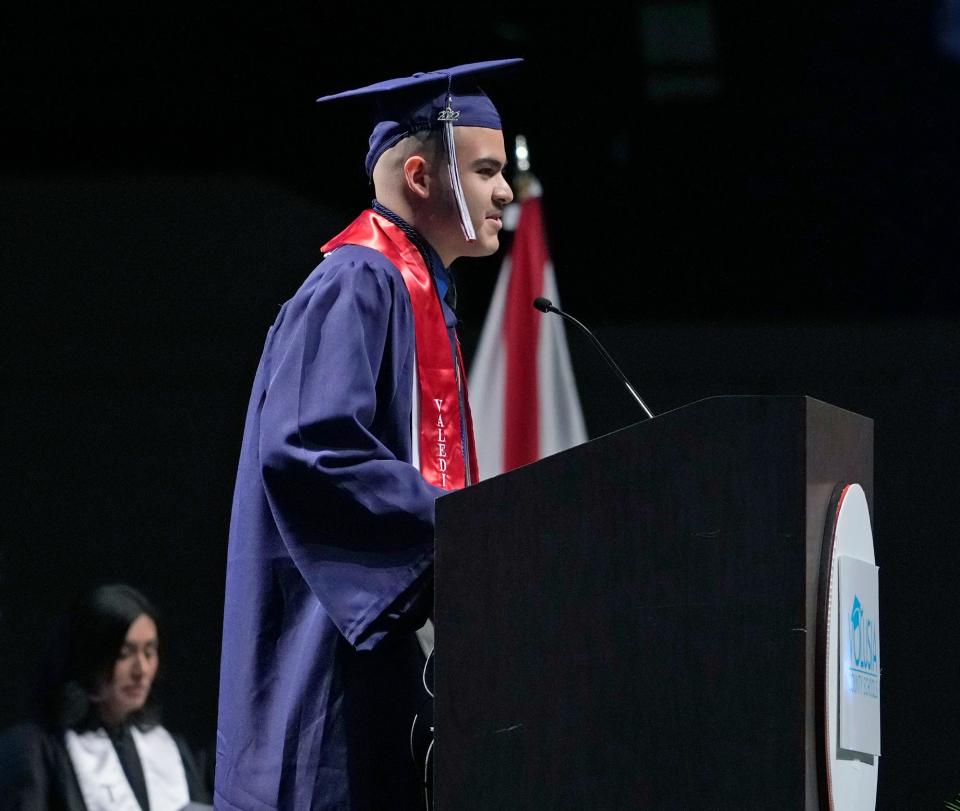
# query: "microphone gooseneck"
{"points": [[544, 305]]}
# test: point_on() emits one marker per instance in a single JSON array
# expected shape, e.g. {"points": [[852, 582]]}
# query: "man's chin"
{"points": [[485, 246]]}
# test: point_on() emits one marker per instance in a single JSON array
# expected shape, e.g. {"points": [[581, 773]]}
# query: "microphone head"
{"points": [[542, 304]]}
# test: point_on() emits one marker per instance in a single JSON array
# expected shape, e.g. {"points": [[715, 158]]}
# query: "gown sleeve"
{"points": [[34, 774], [356, 518]]}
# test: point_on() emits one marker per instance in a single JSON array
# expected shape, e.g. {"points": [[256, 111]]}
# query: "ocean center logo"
{"points": [[864, 670]]}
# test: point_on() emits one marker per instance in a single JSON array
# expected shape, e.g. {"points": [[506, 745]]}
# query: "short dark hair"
{"points": [[430, 141], [84, 652]]}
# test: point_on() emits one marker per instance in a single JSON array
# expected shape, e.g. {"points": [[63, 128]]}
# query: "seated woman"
{"points": [[99, 745]]}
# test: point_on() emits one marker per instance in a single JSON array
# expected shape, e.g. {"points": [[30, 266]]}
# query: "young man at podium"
{"points": [[357, 421]]}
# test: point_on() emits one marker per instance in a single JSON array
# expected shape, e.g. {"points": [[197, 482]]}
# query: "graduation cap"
{"points": [[435, 100]]}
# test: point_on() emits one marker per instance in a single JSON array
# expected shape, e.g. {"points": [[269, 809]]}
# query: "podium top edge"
{"points": [[785, 398], [803, 404]]}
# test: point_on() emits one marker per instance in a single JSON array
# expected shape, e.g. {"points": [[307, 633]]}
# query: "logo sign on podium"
{"points": [[859, 656], [848, 666]]}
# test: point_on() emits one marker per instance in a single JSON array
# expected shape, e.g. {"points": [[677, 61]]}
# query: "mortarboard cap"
{"points": [[435, 100], [414, 103]]}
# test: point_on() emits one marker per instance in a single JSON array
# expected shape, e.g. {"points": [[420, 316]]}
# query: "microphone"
{"points": [[544, 305]]}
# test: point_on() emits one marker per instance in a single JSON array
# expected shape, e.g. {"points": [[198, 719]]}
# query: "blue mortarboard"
{"points": [[437, 99]]}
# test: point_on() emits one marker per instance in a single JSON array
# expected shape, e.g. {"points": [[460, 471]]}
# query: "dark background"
{"points": [[740, 197]]}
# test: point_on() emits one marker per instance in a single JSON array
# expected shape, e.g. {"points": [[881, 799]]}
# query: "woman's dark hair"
{"points": [[84, 653]]}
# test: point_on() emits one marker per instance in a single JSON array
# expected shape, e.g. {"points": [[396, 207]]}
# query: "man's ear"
{"points": [[416, 174]]}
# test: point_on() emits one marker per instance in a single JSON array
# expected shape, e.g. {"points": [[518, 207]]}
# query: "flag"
{"points": [[522, 391]]}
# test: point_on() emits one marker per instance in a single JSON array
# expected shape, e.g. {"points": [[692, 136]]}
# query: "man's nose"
{"points": [[503, 194]]}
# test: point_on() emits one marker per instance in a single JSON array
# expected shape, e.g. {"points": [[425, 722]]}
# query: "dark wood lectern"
{"points": [[631, 623]]}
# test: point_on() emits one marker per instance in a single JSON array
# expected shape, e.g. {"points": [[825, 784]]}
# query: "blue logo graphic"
{"points": [[864, 674]]}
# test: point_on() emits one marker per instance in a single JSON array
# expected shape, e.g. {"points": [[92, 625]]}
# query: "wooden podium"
{"points": [[632, 623]]}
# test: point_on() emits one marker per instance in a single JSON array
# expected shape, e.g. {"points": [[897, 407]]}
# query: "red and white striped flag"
{"points": [[522, 392]]}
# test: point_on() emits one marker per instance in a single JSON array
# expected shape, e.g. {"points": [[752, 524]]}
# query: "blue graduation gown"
{"points": [[329, 568]]}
